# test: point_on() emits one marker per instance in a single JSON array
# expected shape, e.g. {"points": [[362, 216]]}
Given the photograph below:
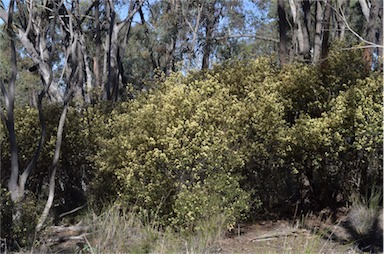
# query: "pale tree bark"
{"points": [[17, 182], [73, 69], [40, 44], [81, 93], [306, 5], [76, 61], [194, 28], [8, 116], [301, 14], [88, 88], [56, 156], [342, 8], [297, 32], [365, 8], [381, 42], [112, 47], [283, 27], [317, 37], [97, 58]]}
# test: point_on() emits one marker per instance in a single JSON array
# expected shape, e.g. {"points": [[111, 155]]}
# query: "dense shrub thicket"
{"points": [[247, 136], [243, 138]]}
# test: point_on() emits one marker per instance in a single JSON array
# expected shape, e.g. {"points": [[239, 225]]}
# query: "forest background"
{"points": [[184, 110]]}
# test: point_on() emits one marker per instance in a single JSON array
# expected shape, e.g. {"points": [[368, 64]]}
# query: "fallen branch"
{"points": [[268, 237], [72, 211], [68, 238], [58, 229]]}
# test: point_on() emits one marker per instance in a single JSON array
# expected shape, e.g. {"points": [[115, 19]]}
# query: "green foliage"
{"points": [[343, 67], [75, 169], [18, 221], [220, 194], [302, 91], [6, 213], [243, 131], [172, 146], [27, 82], [336, 132], [218, 143]]}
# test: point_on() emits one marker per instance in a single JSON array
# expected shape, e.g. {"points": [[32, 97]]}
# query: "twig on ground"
{"points": [[268, 237]]}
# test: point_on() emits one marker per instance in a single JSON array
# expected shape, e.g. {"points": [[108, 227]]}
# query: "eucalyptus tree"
{"points": [[36, 29], [315, 24], [186, 34]]}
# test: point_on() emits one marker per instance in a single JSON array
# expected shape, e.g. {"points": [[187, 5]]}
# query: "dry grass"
{"points": [[310, 234], [118, 232]]}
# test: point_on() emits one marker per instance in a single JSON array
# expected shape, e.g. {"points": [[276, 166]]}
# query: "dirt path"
{"points": [[311, 236]]}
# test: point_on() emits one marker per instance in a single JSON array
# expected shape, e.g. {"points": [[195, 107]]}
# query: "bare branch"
{"points": [[130, 15], [29, 18], [362, 47], [260, 37], [72, 211], [342, 15]]}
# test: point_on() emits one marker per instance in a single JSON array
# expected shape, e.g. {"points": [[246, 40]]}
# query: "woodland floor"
{"points": [[310, 234]]}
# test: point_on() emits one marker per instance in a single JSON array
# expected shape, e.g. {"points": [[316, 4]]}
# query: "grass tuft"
{"points": [[116, 231]]}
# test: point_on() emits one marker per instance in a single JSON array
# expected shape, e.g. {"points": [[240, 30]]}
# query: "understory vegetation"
{"points": [[241, 141]]}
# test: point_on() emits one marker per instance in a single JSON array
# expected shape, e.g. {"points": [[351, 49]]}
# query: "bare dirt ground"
{"points": [[310, 234], [282, 237]]}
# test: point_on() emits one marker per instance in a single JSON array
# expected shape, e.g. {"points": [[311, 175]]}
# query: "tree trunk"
{"points": [[210, 23], [97, 58], [325, 41], [381, 43], [297, 36], [146, 32], [365, 9], [88, 88], [371, 32], [108, 48], [56, 156], [13, 186], [171, 45], [112, 48], [306, 30], [306, 191], [317, 39], [113, 72], [343, 8], [283, 27], [194, 28]]}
